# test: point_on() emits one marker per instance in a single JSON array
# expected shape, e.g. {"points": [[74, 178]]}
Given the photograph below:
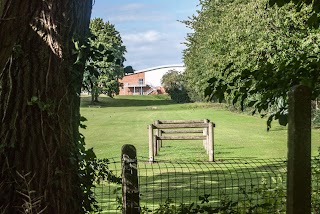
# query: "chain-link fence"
{"points": [[237, 186]]}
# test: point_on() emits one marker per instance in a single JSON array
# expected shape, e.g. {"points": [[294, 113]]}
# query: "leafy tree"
{"points": [[42, 158], [103, 72], [253, 55], [174, 84], [313, 20], [128, 70]]}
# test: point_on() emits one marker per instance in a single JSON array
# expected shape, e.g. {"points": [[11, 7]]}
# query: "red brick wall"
{"points": [[132, 79]]}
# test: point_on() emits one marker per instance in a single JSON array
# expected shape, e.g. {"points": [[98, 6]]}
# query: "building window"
{"points": [[140, 81]]}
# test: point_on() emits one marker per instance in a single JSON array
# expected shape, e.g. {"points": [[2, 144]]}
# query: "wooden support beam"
{"points": [[182, 137], [187, 125], [181, 121], [205, 127], [173, 131]]}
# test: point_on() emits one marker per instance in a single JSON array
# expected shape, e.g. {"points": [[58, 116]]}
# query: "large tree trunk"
{"points": [[39, 105]]}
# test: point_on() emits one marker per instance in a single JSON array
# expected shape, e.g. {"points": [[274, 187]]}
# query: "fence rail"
{"points": [[160, 127], [249, 183]]}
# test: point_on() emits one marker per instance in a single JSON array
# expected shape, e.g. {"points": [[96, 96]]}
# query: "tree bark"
{"points": [[94, 93], [39, 105]]}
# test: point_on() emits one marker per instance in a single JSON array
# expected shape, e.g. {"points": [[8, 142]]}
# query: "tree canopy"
{"points": [[105, 67], [246, 53], [174, 84], [313, 18]]}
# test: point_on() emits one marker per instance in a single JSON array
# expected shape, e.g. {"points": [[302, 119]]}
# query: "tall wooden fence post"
{"points": [[299, 151], [151, 149], [159, 133], [130, 188], [205, 133], [210, 146]]}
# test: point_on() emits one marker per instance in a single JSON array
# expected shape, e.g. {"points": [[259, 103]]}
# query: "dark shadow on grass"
{"points": [[278, 128], [113, 102]]}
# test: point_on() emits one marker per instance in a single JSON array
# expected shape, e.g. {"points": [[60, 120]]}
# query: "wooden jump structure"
{"points": [[161, 127]]}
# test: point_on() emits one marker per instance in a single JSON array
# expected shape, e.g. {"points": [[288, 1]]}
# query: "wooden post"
{"points": [[179, 126], [151, 151], [159, 142], [205, 133], [155, 149], [130, 188], [299, 151], [210, 146]]}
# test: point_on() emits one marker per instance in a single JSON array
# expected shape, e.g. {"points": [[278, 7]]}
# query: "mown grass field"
{"points": [[124, 120], [239, 138]]}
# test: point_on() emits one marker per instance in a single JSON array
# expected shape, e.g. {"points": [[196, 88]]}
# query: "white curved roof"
{"points": [[153, 75], [161, 67]]}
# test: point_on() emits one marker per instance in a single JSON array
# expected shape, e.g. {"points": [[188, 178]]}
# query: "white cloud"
{"points": [[143, 37], [143, 55], [132, 6], [127, 17], [135, 12]]}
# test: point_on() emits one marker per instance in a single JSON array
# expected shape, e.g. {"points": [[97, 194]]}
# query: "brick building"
{"points": [[147, 81]]}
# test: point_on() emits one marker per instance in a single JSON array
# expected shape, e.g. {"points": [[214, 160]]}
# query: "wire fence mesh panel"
{"points": [[109, 194], [234, 186]]}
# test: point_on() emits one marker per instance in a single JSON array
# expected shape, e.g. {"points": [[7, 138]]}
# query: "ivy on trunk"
{"points": [[39, 105]]}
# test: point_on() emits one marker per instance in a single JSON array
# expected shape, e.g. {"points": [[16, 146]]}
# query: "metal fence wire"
{"points": [[255, 186]]}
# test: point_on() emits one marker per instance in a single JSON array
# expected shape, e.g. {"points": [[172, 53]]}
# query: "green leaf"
{"points": [[272, 2], [101, 47], [82, 126], [235, 99], [280, 3], [252, 103], [212, 80], [34, 99], [313, 21], [110, 58], [76, 45], [283, 119], [82, 119]]}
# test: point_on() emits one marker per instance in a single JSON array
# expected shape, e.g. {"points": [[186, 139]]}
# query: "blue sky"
{"points": [[149, 28]]}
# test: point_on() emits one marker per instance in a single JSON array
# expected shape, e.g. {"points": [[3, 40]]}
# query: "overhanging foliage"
{"points": [[252, 54]]}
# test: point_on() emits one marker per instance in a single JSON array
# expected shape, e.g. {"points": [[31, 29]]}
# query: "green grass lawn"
{"points": [[238, 138], [124, 120]]}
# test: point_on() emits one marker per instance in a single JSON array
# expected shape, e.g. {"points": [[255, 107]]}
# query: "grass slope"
{"points": [[124, 120]]}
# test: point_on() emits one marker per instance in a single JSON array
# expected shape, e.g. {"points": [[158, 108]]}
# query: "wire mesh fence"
{"points": [[255, 186]]}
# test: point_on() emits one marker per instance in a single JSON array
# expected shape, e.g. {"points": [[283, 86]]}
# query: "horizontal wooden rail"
{"points": [[173, 131], [181, 137], [187, 125], [182, 121]]}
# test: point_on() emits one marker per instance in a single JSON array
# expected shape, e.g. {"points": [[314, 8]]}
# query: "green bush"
{"points": [[175, 85]]}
